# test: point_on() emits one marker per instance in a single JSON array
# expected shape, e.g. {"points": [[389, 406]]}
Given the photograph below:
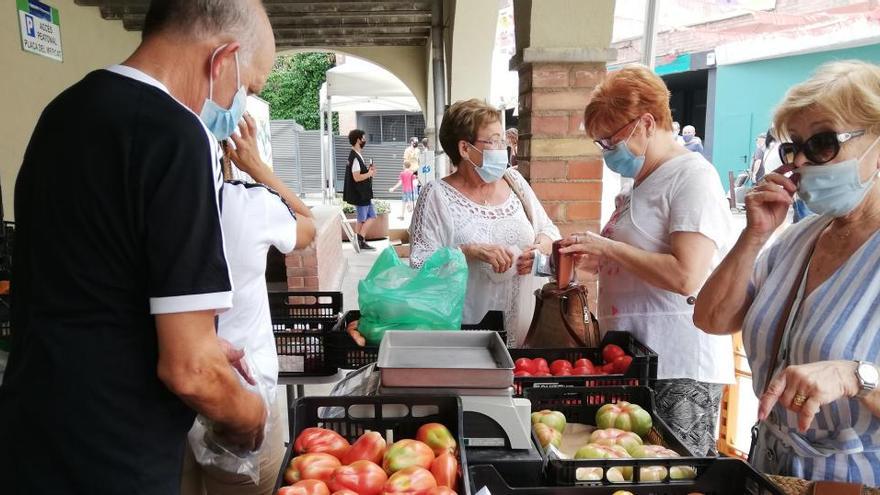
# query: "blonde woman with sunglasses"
{"points": [[808, 304]]}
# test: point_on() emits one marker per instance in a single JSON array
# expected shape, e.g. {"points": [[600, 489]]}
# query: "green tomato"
{"points": [[547, 435], [597, 451], [624, 416], [554, 419], [613, 436]]}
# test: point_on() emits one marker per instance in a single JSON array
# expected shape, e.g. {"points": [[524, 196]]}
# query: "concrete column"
{"points": [[473, 39], [562, 49]]}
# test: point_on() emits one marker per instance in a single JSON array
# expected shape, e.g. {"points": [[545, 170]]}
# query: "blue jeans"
{"points": [[365, 212]]}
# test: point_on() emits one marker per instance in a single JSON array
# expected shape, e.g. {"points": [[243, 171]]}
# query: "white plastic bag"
{"points": [[210, 450]]}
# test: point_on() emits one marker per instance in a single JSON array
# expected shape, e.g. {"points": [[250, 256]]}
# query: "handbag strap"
{"points": [[778, 335], [785, 316], [580, 292], [520, 194]]}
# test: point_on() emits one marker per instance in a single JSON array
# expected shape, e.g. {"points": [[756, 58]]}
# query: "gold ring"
{"points": [[798, 399]]}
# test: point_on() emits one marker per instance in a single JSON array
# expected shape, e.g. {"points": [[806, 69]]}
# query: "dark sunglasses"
{"points": [[819, 148], [606, 143]]}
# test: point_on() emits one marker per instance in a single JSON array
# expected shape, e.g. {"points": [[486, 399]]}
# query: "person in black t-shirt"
{"points": [[119, 267], [358, 189]]}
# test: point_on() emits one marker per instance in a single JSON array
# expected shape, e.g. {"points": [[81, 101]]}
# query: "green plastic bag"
{"points": [[394, 296]]}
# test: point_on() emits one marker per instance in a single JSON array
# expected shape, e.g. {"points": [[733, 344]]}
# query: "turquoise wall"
{"points": [[747, 94]]}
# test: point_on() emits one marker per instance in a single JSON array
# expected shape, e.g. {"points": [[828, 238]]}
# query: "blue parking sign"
{"points": [[29, 25]]}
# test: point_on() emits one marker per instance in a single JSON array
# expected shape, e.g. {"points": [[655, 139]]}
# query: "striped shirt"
{"points": [[840, 319]]}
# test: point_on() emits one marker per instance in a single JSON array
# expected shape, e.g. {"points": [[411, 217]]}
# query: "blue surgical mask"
{"points": [[687, 137], [837, 189], [220, 121], [494, 165], [622, 160]]}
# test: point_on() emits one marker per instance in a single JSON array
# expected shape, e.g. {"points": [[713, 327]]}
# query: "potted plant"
{"points": [[379, 228]]}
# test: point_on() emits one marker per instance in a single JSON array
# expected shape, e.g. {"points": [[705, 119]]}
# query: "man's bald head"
{"points": [[223, 21]]}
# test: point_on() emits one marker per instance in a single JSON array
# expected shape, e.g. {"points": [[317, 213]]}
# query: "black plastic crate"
{"points": [[579, 405], [301, 322], [716, 476], [642, 371], [346, 354], [401, 415]]}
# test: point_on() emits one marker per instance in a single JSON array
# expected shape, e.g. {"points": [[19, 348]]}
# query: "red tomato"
{"points": [[316, 440], [306, 487], [583, 363], [621, 364], [317, 466], [540, 364], [611, 352], [521, 373], [542, 373], [410, 481], [607, 368], [369, 447], [407, 453], [585, 366], [581, 371], [564, 372], [344, 492], [559, 365], [442, 490], [524, 364], [445, 470], [362, 477], [438, 437]]}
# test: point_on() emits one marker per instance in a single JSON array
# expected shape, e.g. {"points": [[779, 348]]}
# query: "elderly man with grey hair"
{"points": [[120, 266], [691, 141]]}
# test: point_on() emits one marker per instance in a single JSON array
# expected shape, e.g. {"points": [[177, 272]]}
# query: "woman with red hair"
{"points": [[662, 242]]}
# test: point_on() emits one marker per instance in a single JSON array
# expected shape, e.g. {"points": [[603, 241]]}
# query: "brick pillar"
{"points": [[563, 167], [322, 265]]}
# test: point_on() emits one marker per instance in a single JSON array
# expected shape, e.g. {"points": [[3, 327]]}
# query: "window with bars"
{"points": [[391, 127], [372, 125]]}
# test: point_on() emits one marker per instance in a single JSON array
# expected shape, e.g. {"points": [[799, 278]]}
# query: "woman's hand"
{"points": [[804, 388], [499, 257], [526, 260], [543, 245], [587, 243], [246, 154], [767, 203]]}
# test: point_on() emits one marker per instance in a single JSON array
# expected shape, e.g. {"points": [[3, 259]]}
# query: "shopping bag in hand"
{"points": [[394, 296]]}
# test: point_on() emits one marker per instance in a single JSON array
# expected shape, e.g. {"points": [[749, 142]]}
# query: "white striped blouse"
{"points": [[840, 319]]}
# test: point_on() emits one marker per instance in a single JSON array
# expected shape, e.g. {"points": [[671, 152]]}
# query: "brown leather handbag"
{"points": [[835, 488], [562, 319]]}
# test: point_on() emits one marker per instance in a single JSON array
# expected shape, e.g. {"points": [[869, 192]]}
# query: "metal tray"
{"points": [[439, 359], [463, 392]]}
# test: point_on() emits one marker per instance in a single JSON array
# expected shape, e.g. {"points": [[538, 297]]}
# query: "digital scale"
{"points": [[474, 365]]}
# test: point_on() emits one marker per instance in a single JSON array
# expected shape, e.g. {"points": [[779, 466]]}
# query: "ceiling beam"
{"points": [[331, 44]]}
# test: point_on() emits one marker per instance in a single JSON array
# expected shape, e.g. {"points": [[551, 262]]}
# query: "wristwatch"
{"points": [[868, 377]]}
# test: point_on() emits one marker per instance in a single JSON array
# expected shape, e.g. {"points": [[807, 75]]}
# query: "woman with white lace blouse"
{"points": [[475, 209]]}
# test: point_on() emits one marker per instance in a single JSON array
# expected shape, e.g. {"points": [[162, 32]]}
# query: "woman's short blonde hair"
{"points": [[847, 91], [623, 96], [462, 121]]}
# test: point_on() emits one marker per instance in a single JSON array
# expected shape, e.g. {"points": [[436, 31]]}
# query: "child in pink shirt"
{"points": [[407, 180]]}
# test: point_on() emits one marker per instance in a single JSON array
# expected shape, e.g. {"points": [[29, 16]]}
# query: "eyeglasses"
{"points": [[607, 144], [820, 148], [493, 144]]}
